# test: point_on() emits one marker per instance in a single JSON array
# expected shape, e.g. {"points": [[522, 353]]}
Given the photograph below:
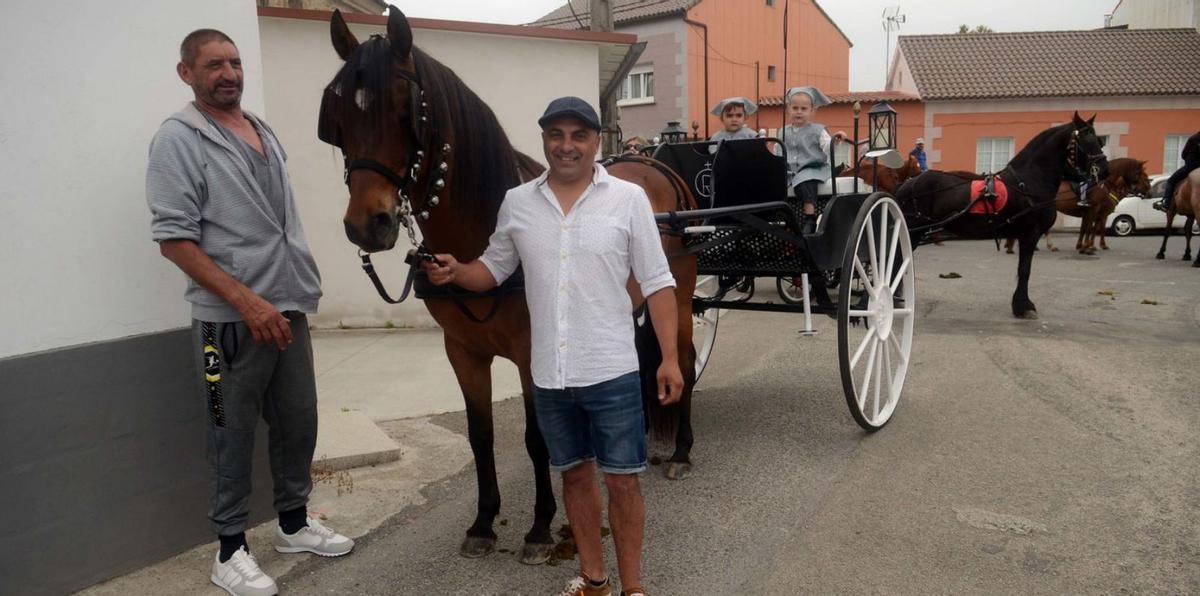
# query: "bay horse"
{"points": [[883, 178], [940, 200], [1125, 177], [1187, 204], [420, 146]]}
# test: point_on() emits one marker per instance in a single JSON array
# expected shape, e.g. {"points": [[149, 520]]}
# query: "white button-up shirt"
{"points": [[576, 266]]}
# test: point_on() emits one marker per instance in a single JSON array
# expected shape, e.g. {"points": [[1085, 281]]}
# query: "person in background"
{"points": [[807, 144], [919, 153]]}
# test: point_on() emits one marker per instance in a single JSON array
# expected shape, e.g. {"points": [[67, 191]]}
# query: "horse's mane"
{"points": [[1040, 141], [483, 164]]}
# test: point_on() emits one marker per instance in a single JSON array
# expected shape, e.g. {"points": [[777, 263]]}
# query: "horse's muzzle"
{"points": [[382, 231]]}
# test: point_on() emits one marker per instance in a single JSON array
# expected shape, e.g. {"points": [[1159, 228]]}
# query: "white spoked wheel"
{"points": [[704, 324], [789, 288], [876, 302]]}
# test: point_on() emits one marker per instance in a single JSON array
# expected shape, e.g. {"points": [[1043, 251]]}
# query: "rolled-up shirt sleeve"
{"points": [[649, 263], [174, 188], [501, 256]]}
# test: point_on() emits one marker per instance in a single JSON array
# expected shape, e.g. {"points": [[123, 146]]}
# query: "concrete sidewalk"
{"points": [[376, 447]]}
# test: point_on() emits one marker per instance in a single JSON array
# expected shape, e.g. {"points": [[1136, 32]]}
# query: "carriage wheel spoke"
{"points": [[869, 231], [899, 351], [862, 346], [887, 366], [883, 243], [861, 313], [866, 384], [891, 258], [900, 272], [878, 365], [858, 267]]}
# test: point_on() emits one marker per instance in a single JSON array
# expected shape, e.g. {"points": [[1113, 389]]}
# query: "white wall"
{"points": [[1157, 14], [516, 76], [85, 86]]}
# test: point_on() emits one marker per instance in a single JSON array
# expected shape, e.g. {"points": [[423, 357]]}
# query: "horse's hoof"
{"points": [[474, 547], [1196, 264], [1008, 251], [1160, 256], [1029, 315], [1053, 249], [1186, 258], [536, 554], [1103, 247], [677, 470]]}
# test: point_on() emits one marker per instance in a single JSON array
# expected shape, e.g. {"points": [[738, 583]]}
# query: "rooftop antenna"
{"points": [[892, 19]]}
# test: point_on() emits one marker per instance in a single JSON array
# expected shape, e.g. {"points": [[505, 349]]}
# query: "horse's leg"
{"points": [[1022, 307], [1081, 243], [1162, 250], [1050, 244], [539, 542], [679, 465], [1008, 245], [1099, 230], [475, 379], [1187, 234]]}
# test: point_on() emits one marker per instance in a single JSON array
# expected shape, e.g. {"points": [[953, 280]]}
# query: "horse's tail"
{"points": [[661, 421]]}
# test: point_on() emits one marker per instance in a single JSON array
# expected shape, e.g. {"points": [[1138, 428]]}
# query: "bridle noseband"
{"points": [[1088, 173]]}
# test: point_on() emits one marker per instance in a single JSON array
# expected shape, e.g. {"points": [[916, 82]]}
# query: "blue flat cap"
{"points": [[573, 107]]}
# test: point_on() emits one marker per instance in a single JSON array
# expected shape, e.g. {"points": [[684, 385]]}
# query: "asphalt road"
{"points": [[1051, 456]]}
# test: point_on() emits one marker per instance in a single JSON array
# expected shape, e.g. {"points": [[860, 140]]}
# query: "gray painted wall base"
{"points": [[102, 463]]}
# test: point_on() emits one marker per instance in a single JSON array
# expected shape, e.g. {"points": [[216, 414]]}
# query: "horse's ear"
{"points": [[399, 33], [344, 41], [1092, 120], [1077, 120]]}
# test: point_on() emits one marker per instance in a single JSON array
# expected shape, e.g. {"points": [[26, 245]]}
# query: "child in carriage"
{"points": [[807, 145], [733, 112]]}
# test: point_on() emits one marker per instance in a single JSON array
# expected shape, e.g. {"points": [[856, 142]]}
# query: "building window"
{"points": [[639, 87], [1106, 143], [992, 153], [1171, 149], [770, 2], [770, 73]]}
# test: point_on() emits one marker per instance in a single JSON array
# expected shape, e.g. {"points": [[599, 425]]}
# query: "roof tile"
{"points": [[1104, 62]]}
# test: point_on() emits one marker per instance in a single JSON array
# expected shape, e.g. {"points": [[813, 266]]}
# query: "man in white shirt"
{"points": [[579, 233]]}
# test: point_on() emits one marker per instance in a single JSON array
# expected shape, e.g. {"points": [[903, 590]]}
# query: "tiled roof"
{"points": [[624, 11], [1102, 62], [867, 97]]}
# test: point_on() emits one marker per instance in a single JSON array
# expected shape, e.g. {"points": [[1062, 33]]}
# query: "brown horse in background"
{"points": [[1125, 177], [1187, 204], [420, 146], [883, 178]]}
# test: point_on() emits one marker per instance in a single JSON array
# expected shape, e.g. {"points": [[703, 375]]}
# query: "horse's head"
{"points": [[1085, 153], [374, 112], [1136, 179]]}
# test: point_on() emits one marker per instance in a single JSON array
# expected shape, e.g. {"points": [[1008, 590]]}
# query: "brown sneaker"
{"points": [[582, 586]]}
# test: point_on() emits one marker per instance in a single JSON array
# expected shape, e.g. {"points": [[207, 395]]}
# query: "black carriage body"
{"points": [[747, 225]]}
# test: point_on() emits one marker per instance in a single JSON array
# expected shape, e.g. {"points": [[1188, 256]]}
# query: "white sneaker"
{"points": [[315, 538], [241, 576]]}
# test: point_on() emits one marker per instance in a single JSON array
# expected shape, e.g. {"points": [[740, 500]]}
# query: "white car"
{"points": [[1138, 213]]}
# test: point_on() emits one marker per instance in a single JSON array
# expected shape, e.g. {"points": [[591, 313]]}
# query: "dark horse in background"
{"points": [[938, 200], [421, 146]]}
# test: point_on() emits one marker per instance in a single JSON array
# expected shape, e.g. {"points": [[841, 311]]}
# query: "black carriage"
{"points": [[748, 227]]}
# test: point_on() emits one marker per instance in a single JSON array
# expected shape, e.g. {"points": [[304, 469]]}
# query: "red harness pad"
{"points": [[984, 206]]}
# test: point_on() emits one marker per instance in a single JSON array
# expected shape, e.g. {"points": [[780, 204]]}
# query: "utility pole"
{"points": [[602, 20]]}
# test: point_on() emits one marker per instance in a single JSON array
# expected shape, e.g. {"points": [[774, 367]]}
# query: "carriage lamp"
{"points": [[673, 133], [881, 126]]}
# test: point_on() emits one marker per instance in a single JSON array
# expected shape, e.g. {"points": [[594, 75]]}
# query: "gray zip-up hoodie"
{"points": [[200, 188]]}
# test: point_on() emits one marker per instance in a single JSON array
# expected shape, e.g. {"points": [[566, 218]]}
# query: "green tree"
{"points": [[977, 29]]}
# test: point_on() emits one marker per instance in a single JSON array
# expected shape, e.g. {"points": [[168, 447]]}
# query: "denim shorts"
{"points": [[600, 422]]}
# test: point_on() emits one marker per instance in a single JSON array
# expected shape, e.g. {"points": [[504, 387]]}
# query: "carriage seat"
{"points": [[746, 171]]}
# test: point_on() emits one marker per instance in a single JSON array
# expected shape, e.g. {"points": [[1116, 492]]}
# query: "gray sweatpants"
{"points": [[241, 381]]}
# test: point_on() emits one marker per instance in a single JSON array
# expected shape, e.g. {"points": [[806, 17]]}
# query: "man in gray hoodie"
{"points": [[223, 211]]}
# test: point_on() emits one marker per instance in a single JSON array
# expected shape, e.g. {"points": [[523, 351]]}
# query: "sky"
{"points": [[860, 20]]}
